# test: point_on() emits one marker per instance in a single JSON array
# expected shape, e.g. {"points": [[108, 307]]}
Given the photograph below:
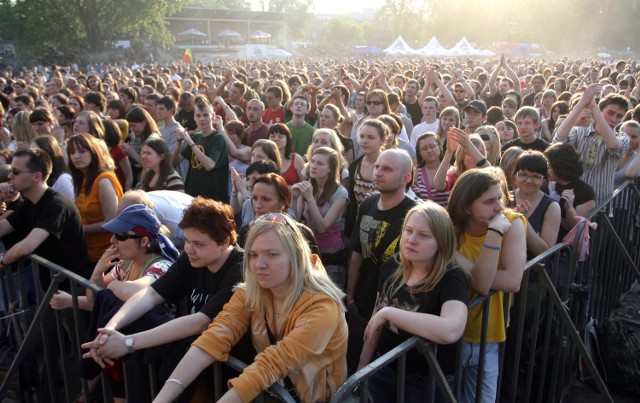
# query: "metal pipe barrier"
{"points": [[538, 362], [48, 341]]}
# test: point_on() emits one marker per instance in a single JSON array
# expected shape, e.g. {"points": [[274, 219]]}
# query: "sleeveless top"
{"points": [[536, 218], [91, 212], [426, 191], [362, 188], [291, 175]]}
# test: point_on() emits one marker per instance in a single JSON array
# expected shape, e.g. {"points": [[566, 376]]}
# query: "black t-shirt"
{"points": [[57, 215], [538, 145], [376, 236], [204, 291], [186, 119], [494, 100], [453, 286], [582, 192], [414, 111]]}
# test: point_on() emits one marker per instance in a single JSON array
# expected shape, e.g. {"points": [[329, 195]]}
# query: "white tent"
{"points": [[260, 35], [463, 48], [228, 33], [280, 53], [192, 31], [399, 47], [433, 48]]}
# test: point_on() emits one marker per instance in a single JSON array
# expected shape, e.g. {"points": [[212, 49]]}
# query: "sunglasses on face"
{"points": [[374, 103], [124, 236]]}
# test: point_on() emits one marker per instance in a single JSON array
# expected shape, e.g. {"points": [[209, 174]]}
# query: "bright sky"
{"points": [[345, 6]]}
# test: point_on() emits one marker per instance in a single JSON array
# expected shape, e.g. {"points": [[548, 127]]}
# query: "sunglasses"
{"points": [[374, 103], [275, 218], [16, 172], [124, 236]]}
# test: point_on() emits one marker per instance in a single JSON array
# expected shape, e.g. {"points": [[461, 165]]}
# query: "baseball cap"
{"points": [[478, 105], [136, 215]]}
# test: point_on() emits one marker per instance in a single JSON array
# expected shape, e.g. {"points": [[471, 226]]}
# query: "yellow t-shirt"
{"points": [[470, 247]]}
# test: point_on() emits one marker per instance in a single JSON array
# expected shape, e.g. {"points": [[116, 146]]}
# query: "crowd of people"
{"points": [[307, 216]]}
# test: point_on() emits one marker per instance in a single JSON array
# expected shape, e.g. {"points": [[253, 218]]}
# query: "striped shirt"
{"points": [[599, 161], [424, 190]]}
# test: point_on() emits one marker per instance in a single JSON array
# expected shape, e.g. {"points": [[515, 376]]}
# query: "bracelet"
{"points": [[234, 194], [177, 382], [496, 231], [481, 163], [486, 245]]}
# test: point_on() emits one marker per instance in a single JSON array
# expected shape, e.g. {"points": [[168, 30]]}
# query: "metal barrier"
{"points": [[538, 362], [544, 347], [34, 329]]}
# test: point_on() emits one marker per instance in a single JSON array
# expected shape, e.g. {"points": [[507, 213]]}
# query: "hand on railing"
{"points": [[60, 300], [114, 347], [94, 347]]}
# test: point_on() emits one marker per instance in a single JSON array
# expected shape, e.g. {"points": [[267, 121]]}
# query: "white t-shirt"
{"points": [[421, 129]]}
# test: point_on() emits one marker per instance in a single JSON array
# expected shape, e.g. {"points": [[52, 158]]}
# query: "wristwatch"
{"points": [[128, 341]]}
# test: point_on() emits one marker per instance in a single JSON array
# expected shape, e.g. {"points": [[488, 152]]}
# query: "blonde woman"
{"points": [[295, 315], [425, 294], [22, 132]]}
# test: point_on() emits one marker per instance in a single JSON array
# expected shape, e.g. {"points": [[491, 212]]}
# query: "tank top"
{"points": [[291, 175]]}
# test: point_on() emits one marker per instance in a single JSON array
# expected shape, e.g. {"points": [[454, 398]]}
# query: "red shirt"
{"points": [[270, 117]]}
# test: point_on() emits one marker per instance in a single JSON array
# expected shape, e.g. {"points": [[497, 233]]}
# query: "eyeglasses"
{"points": [[124, 236], [369, 103], [533, 178], [460, 91], [16, 172], [485, 137]]}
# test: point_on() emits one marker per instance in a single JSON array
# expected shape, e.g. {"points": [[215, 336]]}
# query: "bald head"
{"points": [[392, 171], [401, 157]]}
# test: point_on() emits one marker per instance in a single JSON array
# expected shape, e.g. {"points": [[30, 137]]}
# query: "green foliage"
{"points": [[79, 26], [290, 6]]}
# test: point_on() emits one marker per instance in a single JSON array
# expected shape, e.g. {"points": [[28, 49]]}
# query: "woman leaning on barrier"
{"points": [[492, 247], [294, 312], [422, 292]]}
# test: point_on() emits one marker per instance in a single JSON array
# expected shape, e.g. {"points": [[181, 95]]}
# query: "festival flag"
{"points": [[188, 56]]}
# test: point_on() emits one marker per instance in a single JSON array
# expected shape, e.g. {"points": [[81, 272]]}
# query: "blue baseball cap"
{"points": [[136, 215]]}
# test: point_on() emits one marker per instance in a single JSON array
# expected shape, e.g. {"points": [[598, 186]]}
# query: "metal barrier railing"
{"points": [[33, 319], [538, 362]]}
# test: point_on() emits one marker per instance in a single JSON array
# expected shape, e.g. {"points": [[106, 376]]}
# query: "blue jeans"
{"points": [[382, 386], [490, 372]]}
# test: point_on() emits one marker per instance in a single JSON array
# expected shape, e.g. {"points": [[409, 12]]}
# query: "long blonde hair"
{"points": [[444, 233], [307, 272], [21, 128]]}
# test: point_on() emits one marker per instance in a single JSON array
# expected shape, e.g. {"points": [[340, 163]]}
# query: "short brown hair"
{"points": [[212, 218]]}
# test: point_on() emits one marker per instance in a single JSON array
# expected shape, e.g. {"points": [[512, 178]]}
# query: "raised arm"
{"points": [[512, 75], [589, 94]]}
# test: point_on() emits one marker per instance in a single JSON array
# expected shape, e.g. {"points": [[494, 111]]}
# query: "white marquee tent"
{"points": [[433, 48], [399, 48], [463, 48]]}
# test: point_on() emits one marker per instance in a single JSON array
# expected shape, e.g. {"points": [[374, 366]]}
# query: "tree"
{"points": [[86, 25]]}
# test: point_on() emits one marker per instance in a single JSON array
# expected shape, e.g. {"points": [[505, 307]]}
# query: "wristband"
{"points": [[177, 382], [495, 230], [481, 163], [492, 247]]}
